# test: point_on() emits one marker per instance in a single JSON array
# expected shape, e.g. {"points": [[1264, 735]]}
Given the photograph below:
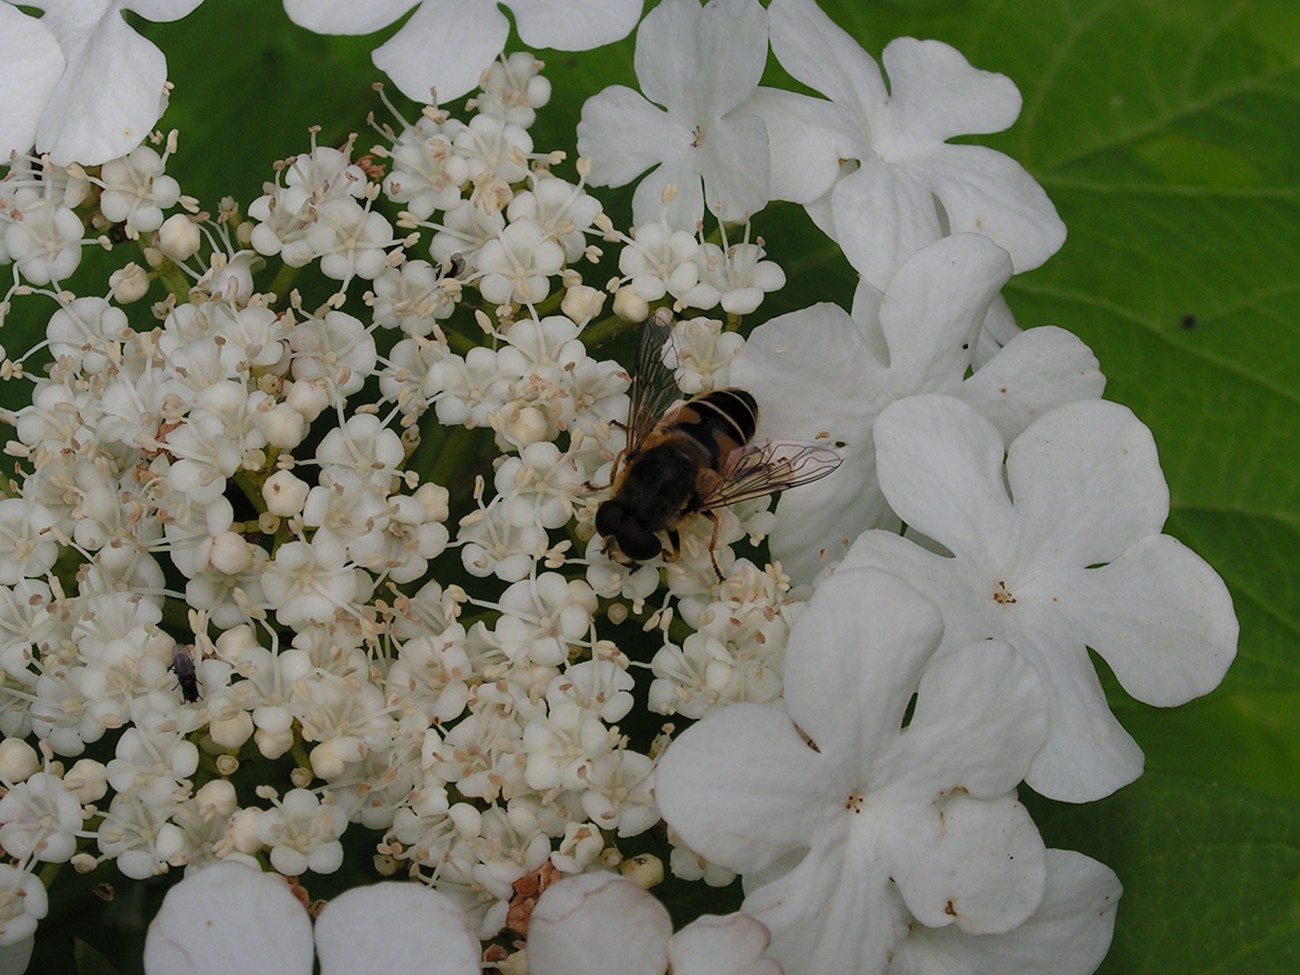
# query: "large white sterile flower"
{"points": [[823, 370], [700, 65], [448, 44], [395, 927], [846, 823], [228, 917], [79, 82], [598, 922], [882, 208], [1069, 934], [1058, 552]]}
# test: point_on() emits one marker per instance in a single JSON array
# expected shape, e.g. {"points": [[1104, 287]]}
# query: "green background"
{"points": [[1168, 135]]}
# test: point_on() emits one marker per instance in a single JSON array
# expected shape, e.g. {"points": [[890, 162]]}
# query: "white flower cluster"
{"points": [[219, 559], [274, 568]]}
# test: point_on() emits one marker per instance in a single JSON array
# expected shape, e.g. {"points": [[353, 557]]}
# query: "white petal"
{"points": [[823, 56], [447, 45], [624, 135], [1087, 754], [395, 927], [938, 576], [161, 11], [853, 658], [733, 162], [940, 467], [936, 94], [574, 25], [1037, 371], [817, 523], [1087, 478], [666, 59], [685, 210], [1069, 934], [999, 329], [983, 868], [15, 957], [732, 51], [807, 138], [835, 912], [31, 68], [731, 945], [742, 788], [596, 923], [1162, 618], [933, 308], [981, 714], [346, 16], [882, 217], [813, 373], [988, 193], [109, 97], [229, 917]]}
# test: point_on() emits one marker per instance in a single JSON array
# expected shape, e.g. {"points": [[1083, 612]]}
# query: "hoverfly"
{"points": [[691, 459]]}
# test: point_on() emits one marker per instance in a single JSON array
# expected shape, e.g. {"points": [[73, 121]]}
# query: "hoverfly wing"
{"points": [[654, 381], [767, 467]]}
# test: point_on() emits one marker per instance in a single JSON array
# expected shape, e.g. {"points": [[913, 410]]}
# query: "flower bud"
{"points": [[526, 426], [243, 832], [582, 303], [230, 554], [179, 237], [231, 731], [283, 426], [129, 283], [645, 871], [272, 746], [284, 494], [235, 642], [307, 397], [18, 760], [630, 306]]}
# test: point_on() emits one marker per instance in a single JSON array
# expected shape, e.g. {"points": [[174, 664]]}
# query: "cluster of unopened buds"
{"points": [[275, 569]]}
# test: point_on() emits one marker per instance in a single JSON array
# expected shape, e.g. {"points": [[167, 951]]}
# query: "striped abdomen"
{"points": [[720, 422]]}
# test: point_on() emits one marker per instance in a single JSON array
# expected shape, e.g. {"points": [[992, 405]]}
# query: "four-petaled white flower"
{"points": [[701, 65], [79, 82], [884, 208], [821, 371], [846, 823], [448, 44], [1059, 551]]}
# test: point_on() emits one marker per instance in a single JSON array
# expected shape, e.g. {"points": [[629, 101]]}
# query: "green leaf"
{"points": [[91, 962], [1209, 873]]}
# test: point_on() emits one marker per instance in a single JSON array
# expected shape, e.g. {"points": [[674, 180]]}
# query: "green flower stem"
{"points": [[283, 281], [171, 277], [605, 330]]}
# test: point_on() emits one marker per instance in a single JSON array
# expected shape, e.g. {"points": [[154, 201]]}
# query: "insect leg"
{"points": [[713, 544], [674, 545]]}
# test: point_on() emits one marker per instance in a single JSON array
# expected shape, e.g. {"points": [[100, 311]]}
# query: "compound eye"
{"points": [[609, 518], [636, 543]]}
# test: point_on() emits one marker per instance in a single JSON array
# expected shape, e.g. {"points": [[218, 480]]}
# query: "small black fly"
{"points": [[183, 668]]}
